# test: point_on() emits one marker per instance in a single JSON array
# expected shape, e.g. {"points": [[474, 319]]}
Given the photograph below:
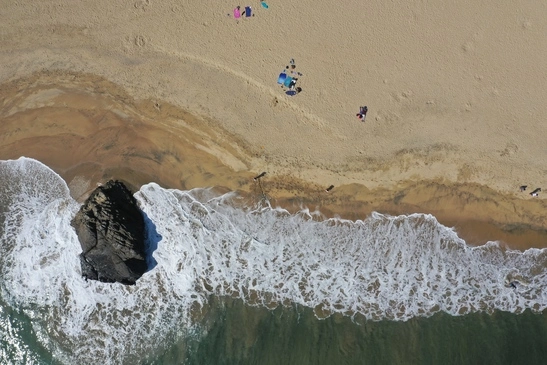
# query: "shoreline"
{"points": [[111, 135]]}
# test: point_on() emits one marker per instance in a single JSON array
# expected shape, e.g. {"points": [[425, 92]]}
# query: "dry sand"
{"points": [[180, 93]]}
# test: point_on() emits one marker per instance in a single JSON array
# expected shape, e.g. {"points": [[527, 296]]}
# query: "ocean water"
{"points": [[233, 284]]}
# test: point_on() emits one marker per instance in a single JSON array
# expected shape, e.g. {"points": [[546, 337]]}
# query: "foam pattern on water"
{"points": [[382, 267], [40, 275], [13, 349]]}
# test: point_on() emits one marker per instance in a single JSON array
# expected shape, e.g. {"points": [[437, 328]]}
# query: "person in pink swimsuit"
{"points": [[237, 12]]}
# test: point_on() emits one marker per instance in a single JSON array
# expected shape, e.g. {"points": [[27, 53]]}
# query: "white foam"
{"points": [[13, 349], [40, 274], [382, 267]]}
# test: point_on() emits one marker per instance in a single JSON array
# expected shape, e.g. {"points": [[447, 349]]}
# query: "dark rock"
{"points": [[111, 230]]}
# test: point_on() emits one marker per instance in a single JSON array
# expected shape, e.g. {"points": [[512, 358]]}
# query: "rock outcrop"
{"points": [[111, 230]]}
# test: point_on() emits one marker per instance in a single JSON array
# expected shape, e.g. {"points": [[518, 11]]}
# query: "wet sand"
{"points": [[181, 93], [90, 130]]}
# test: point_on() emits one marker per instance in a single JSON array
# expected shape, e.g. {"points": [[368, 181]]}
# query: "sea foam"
{"points": [[382, 267]]}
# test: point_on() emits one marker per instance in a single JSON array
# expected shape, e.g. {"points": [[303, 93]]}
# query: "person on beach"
{"points": [[248, 12], [362, 113], [288, 81], [292, 67], [237, 12], [293, 83]]}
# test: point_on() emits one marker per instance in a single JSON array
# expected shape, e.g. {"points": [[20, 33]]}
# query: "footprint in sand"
{"points": [[466, 172], [404, 96], [526, 24], [510, 150], [468, 106], [140, 41], [141, 4], [387, 116], [469, 45]]}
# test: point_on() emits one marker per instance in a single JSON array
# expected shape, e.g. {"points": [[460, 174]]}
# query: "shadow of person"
{"points": [[152, 238]]}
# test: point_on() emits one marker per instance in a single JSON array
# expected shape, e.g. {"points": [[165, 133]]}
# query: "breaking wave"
{"points": [[382, 267]]}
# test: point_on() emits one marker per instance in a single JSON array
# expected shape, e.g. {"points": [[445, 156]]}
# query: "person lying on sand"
{"points": [[292, 83]]}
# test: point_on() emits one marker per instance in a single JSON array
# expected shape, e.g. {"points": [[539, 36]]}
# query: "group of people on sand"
{"points": [[247, 11], [534, 193], [289, 77]]}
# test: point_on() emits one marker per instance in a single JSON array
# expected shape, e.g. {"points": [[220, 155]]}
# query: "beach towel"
{"points": [[287, 81], [248, 11], [281, 78], [237, 13], [264, 5]]}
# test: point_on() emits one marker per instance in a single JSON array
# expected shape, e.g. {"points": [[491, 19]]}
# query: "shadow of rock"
{"points": [[152, 238]]}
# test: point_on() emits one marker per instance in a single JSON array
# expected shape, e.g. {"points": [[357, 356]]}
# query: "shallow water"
{"points": [[293, 335], [388, 289]]}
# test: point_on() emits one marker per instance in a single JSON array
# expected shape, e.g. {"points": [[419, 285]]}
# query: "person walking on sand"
{"points": [[362, 113]]}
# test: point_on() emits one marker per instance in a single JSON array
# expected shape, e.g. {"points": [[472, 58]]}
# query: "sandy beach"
{"points": [[183, 94]]}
